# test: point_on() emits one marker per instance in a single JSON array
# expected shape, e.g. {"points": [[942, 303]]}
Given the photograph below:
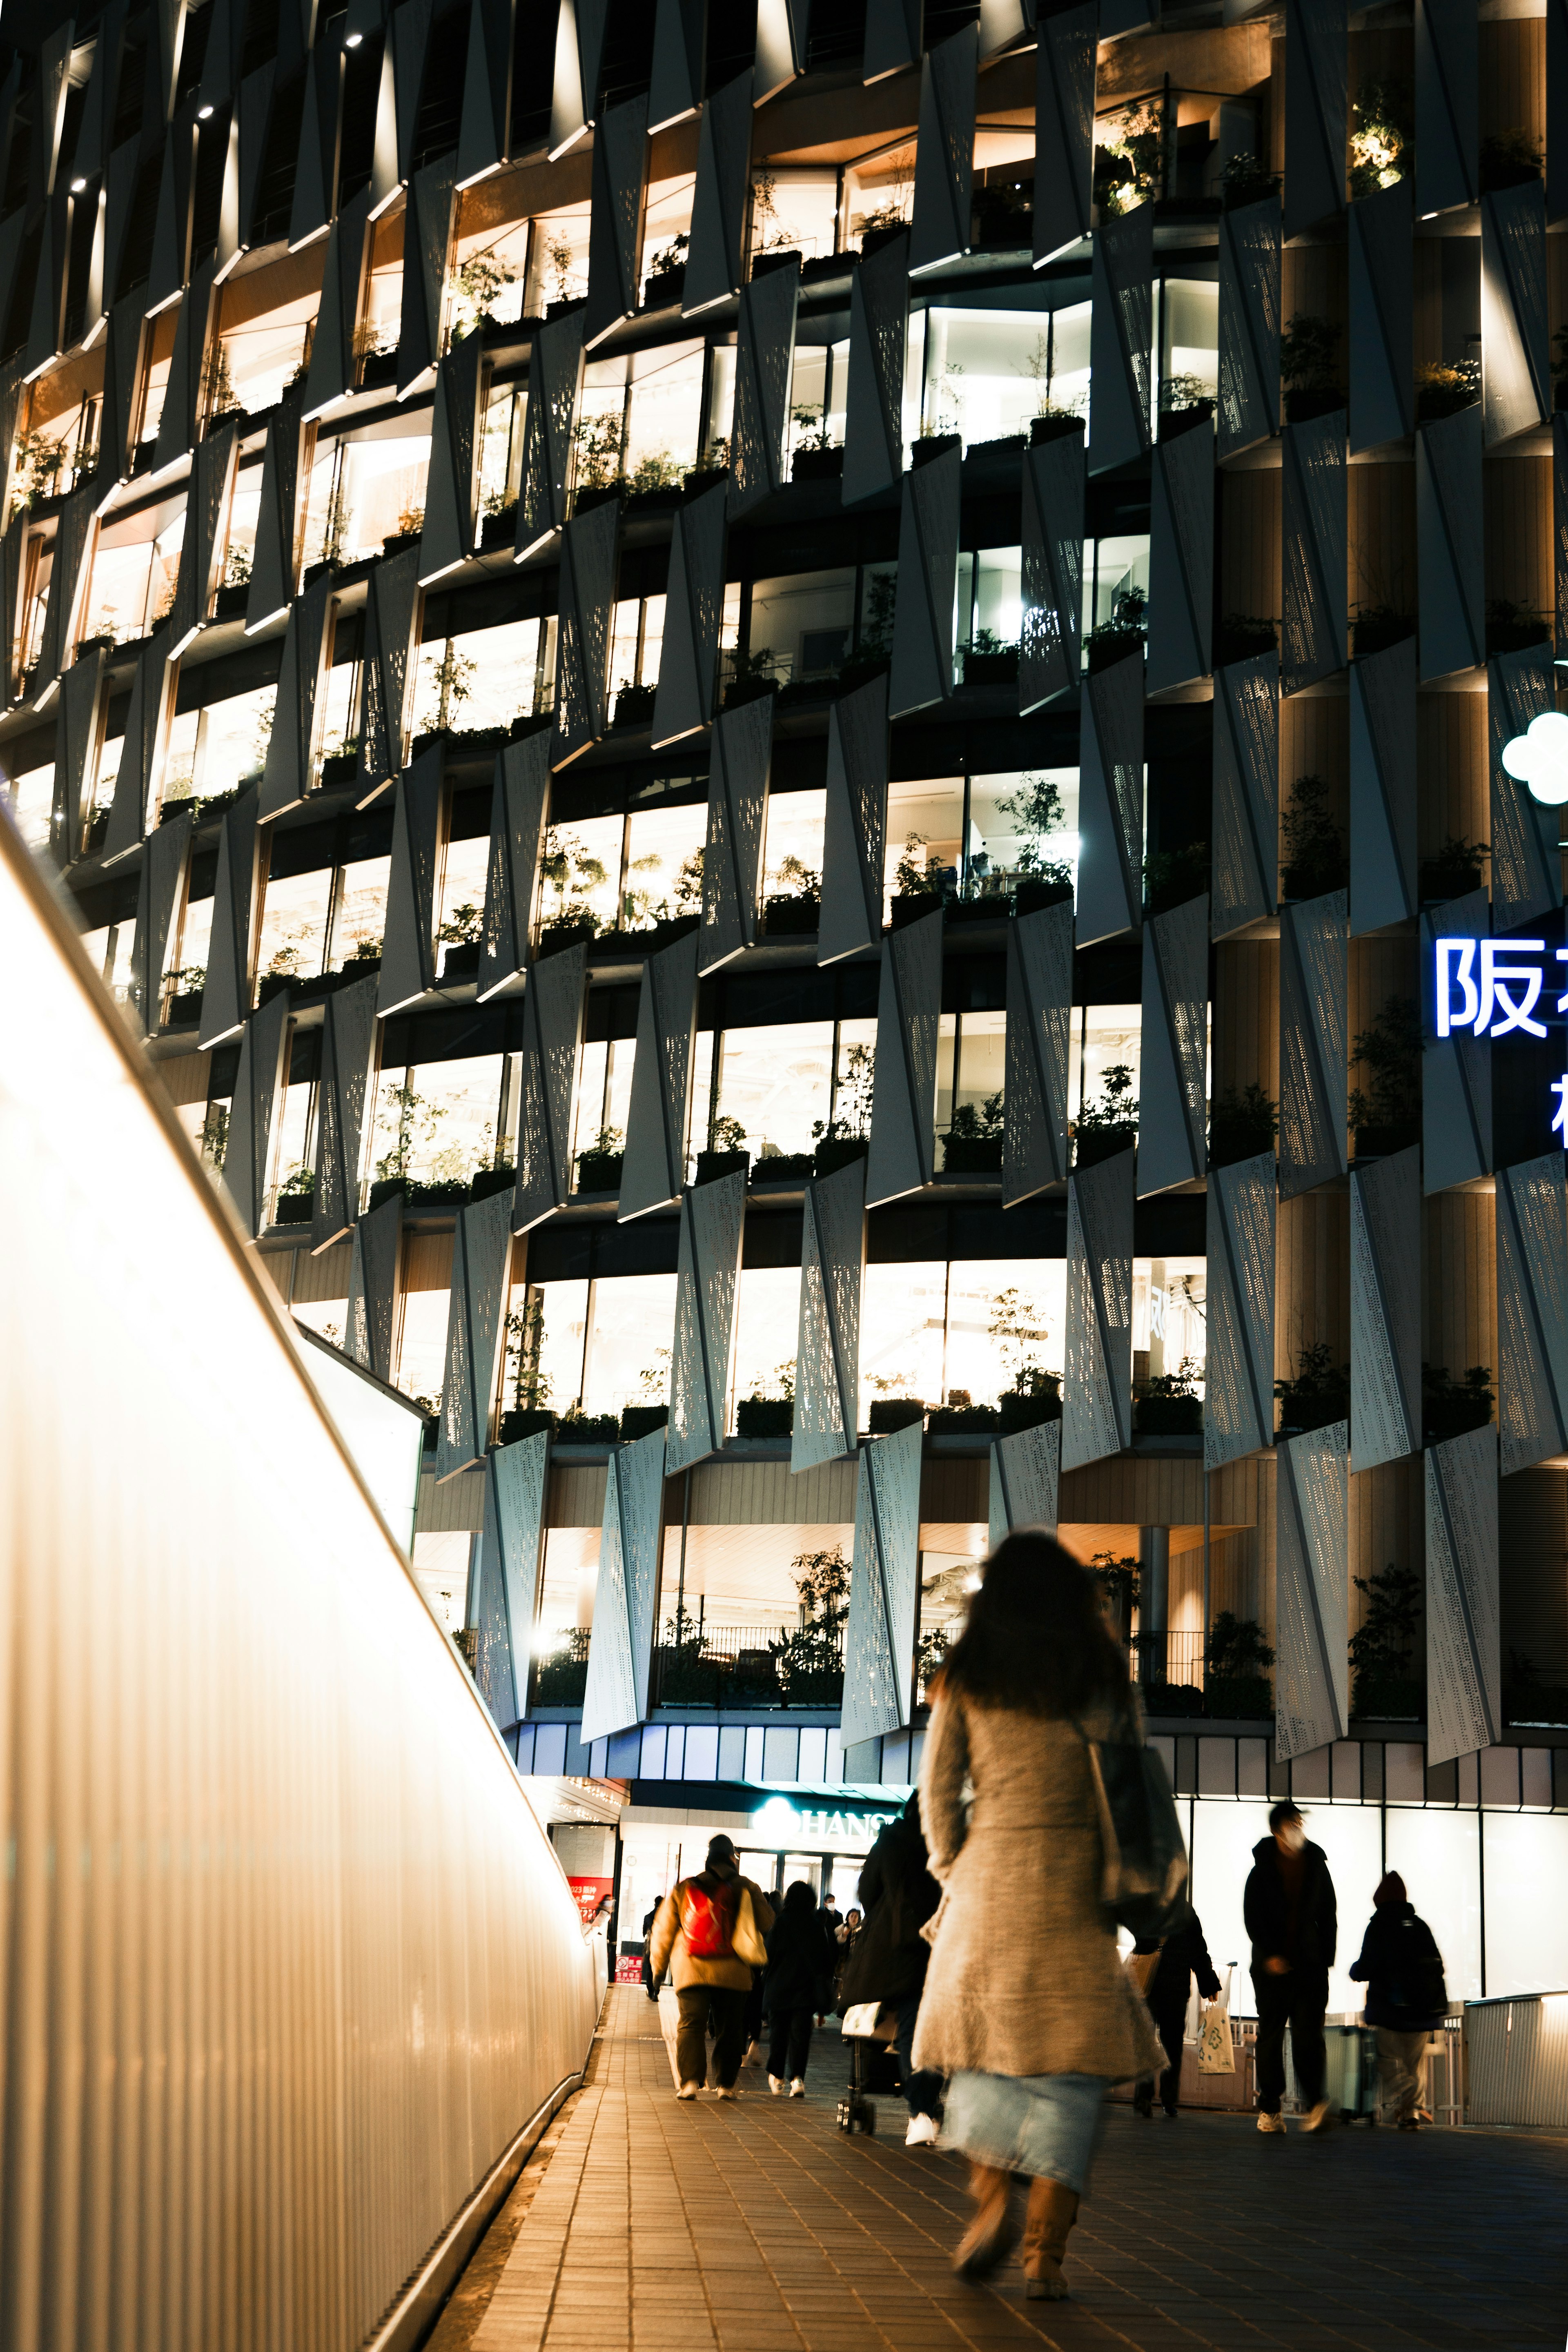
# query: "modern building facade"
{"points": [[807, 741]]}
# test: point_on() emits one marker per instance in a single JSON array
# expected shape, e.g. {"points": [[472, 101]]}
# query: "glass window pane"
{"points": [[1189, 342], [564, 1328], [901, 1318], [982, 1057], [664, 869], [1169, 1295], [31, 796], [987, 372], [463, 878], [801, 624], [436, 1124], [1438, 1856], [361, 918], [925, 835], [294, 925], [381, 493], [422, 1349], [580, 876], [794, 212], [557, 261], [1003, 1315], [487, 280], [631, 1326], [234, 745], [1115, 581], [666, 421], [775, 1083], [263, 327], [794, 858], [1019, 824], [998, 595], [879, 191], [666, 225], [1112, 1038], [1526, 1860], [768, 1327]]}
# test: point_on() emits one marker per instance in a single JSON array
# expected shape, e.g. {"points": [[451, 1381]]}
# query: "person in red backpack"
{"points": [[694, 1940]]}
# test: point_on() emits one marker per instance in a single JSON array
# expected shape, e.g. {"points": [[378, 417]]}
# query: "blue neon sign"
{"points": [[1489, 988]]}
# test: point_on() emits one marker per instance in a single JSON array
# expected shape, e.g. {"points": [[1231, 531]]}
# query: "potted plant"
{"points": [[988, 660], [1242, 636], [1123, 635], [961, 1417], [642, 1419], [1168, 1404], [634, 706], [1384, 1682], [1383, 130], [1454, 870], [1241, 1125], [1528, 1702], [847, 1135], [560, 1677], [1173, 877], [726, 1154], [1035, 1398], [1511, 626], [1386, 1116], [187, 982], [297, 1197], [764, 1416], [890, 1412], [1103, 1128], [1246, 180], [817, 456], [920, 885], [1375, 628], [461, 935], [791, 908], [1315, 859], [1316, 1394], [666, 279], [1450, 1407], [975, 1138], [1309, 368], [773, 1167], [1236, 1660], [599, 1168], [576, 1427]]}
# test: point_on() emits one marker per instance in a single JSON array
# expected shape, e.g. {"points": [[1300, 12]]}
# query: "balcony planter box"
{"points": [[912, 906], [661, 501], [553, 936], [703, 478], [186, 1008], [972, 1155], [668, 286], [387, 1188], [792, 917], [294, 1208], [1030, 897], [992, 669], [1229, 1696], [1092, 1144], [339, 770], [784, 258], [835, 1151], [462, 961], [230, 602], [444, 1195], [599, 1172], [378, 370], [1171, 1699], [560, 1681], [874, 239], [270, 984], [764, 1416], [1382, 1142], [963, 1420], [358, 967], [588, 1429], [563, 310], [1301, 407], [932, 447], [1052, 428], [490, 1180], [586, 501], [826, 265], [747, 689], [861, 670], [818, 466], [1009, 445], [1027, 1411], [634, 707], [713, 1164], [642, 1419], [889, 1413], [500, 527], [525, 1423], [1175, 422], [1162, 1416], [783, 1167], [400, 541]]}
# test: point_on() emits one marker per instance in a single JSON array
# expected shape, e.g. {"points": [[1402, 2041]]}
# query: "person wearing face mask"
{"points": [[1289, 1908]]}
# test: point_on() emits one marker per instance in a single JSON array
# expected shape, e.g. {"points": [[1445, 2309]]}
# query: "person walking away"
{"points": [[693, 1939], [1406, 1997], [648, 1985], [887, 1959], [800, 1972], [1288, 1909], [1181, 1956], [1027, 2009]]}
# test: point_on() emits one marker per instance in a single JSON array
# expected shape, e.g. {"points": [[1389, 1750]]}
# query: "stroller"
{"points": [[873, 2064]]}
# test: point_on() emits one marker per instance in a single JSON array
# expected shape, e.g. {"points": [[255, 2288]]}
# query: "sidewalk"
{"points": [[757, 2226]]}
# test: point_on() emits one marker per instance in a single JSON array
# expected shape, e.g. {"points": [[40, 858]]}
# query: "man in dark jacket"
{"points": [[1406, 1997], [890, 1956], [1289, 1907], [1181, 1956]]}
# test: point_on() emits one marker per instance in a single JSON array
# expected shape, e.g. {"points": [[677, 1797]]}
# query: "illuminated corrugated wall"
{"points": [[286, 1962], [1516, 2062]]}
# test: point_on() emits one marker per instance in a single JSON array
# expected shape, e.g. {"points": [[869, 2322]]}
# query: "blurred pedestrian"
{"points": [[1289, 1908], [694, 1938], [648, 1985], [1406, 1997], [799, 1982], [1167, 1991], [1026, 2007], [888, 1956]]}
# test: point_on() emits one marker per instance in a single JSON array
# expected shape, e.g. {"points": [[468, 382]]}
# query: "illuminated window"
{"points": [[1020, 824], [902, 1318], [879, 190], [294, 915], [776, 1084], [768, 1327], [483, 678], [1169, 1295], [1005, 1317], [1103, 1038], [465, 871], [1115, 582], [925, 837], [802, 626], [436, 1124], [580, 878], [1186, 339], [989, 372], [794, 211], [558, 260], [630, 1326], [818, 393], [667, 226], [358, 919], [263, 331], [664, 869], [792, 864]]}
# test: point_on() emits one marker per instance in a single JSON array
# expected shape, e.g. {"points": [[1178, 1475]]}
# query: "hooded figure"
{"points": [[1406, 1997]]}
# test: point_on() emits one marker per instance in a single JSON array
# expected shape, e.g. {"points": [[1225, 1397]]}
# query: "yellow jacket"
{"points": [[668, 1947]]}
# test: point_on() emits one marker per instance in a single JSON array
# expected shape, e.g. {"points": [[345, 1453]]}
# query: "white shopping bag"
{"points": [[1216, 2055], [669, 2023]]}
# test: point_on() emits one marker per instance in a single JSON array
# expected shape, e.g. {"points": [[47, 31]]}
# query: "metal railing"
{"points": [[1168, 1658], [290, 1973], [750, 1666], [1516, 2061]]}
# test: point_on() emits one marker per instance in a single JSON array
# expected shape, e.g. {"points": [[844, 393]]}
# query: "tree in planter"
{"points": [[1390, 1051], [1129, 162], [810, 1660], [1317, 1395], [599, 443], [464, 927], [1241, 1125], [1112, 641], [215, 1136], [1310, 356], [811, 426], [931, 1654], [851, 1119], [685, 1676], [567, 871], [1315, 859], [1456, 869], [521, 1379], [413, 1120], [561, 1677], [1236, 1660], [447, 683], [1115, 1114], [1246, 180], [1172, 876], [791, 890], [1036, 811], [599, 1168], [1037, 364], [769, 1411], [1018, 1327], [1116, 1577], [974, 1136], [473, 289], [1450, 1407], [1170, 1406], [1382, 1681], [689, 885]]}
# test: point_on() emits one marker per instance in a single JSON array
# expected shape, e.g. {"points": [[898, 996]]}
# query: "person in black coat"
{"points": [[1183, 1957], [889, 1961], [801, 1953], [1289, 1908], [1406, 1997]]}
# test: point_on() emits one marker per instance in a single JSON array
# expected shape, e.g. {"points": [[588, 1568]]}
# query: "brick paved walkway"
{"points": [[756, 2227]]}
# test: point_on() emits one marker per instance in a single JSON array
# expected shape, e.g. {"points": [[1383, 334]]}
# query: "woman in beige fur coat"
{"points": [[1027, 2006]]}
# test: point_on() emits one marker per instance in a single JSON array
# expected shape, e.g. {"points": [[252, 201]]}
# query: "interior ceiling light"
{"points": [[77, 187], [353, 40], [204, 114]]}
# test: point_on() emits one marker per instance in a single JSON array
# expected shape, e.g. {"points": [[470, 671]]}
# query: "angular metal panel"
{"points": [[580, 27], [1039, 1021], [1526, 867], [511, 1555], [207, 496], [1450, 543], [1111, 803], [782, 35], [552, 1008], [1050, 658], [743, 747], [884, 1589], [1316, 37], [1455, 1070], [1311, 1591], [615, 227], [1249, 324], [519, 801], [166, 863], [694, 610], [1097, 1385], [855, 824], [334, 359], [67, 589], [1382, 788], [1516, 344], [1385, 1308], [1120, 342], [764, 363], [1556, 106], [426, 248], [658, 1112], [1560, 497], [315, 195], [679, 46], [408, 951], [1315, 1069], [1064, 130], [225, 999], [486, 118], [892, 39], [716, 258], [1239, 1383], [141, 753], [180, 418], [1246, 792], [122, 352], [1463, 1644], [1172, 1112], [1383, 318], [52, 237], [476, 1320], [375, 1289], [344, 1109], [878, 339], [588, 561], [451, 532], [257, 1082], [409, 35], [275, 562], [708, 1275], [1532, 1312], [927, 585], [255, 116], [903, 1094], [828, 1346], [625, 1598], [78, 736], [944, 152], [1026, 1472], [300, 708], [1316, 537], [392, 611], [554, 386], [1448, 116], [1180, 559]]}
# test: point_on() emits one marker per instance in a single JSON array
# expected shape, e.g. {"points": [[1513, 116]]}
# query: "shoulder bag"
{"points": [[1143, 1882]]}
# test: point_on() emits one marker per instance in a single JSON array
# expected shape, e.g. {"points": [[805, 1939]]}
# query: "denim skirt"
{"points": [[1043, 2125]]}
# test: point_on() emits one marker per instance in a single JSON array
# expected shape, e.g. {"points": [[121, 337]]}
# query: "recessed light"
{"points": [[77, 187], [353, 40], [204, 114]]}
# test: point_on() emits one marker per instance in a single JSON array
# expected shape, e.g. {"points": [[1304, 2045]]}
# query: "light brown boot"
{"points": [[993, 2234], [1052, 2211]]}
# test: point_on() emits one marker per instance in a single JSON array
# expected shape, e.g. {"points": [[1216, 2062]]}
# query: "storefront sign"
{"points": [[1494, 989], [590, 1893], [783, 1823], [1538, 758]]}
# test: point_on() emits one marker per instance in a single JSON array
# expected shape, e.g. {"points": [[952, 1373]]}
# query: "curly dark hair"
{"points": [[1036, 1637]]}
